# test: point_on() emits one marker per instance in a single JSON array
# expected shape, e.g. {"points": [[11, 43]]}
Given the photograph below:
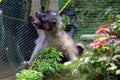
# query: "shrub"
{"points": [[28, 75], [48, 62]]}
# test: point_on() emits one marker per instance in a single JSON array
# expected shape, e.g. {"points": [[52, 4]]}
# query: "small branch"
{"points": [[47, 6]]}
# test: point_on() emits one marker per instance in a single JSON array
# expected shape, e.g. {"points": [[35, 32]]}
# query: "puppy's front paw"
{"points": [[24, 65], [67, 63]]}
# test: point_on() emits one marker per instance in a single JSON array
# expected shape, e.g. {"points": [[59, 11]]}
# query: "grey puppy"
{"points": [[51, 34]]}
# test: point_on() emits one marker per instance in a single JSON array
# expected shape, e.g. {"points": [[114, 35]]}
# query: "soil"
{"points": [[7, 71]]}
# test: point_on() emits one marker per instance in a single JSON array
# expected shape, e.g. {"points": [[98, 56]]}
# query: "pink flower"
{"points": [[105, 38], [100, 41], [95, 45], [103, 30], [115, 59]]}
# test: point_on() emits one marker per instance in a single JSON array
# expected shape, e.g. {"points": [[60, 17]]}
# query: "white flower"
{"points": [[87, 60]]}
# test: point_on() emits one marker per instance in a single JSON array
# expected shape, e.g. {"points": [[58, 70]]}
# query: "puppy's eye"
{"points": [[44, 18], [54, 23]]}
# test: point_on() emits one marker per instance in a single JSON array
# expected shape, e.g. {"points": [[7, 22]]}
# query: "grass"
{"points": [[66, 73]]}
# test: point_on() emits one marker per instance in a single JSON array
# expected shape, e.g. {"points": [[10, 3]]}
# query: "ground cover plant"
{"points": [[48, 67], [49, 62], [29, 75]]}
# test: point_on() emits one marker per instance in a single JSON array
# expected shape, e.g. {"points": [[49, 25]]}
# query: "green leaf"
{"points": [[116, 56], [117, 49], [112, 66], [108, 59], [117, 71]]}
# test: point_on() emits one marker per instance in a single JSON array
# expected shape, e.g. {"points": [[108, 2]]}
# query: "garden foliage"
{"points": [[102, 59], [46, 63]]}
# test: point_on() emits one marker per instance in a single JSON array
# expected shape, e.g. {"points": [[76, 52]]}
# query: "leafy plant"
{"points": [[28, 75], [49, 62], [45, 64]]}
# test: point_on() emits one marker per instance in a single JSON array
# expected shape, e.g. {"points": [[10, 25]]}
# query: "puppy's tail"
{"points": [[80, 48]]}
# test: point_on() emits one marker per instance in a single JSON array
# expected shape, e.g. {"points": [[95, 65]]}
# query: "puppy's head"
{"points": [[48, 21]]}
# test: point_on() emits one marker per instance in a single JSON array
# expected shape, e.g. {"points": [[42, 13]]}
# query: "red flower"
{"points": [[105, 38], [96, 44], [100, 41], [115, 59], [103, 30]]}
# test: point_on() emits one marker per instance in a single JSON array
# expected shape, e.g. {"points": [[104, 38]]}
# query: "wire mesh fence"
{"points": [[91, 13], [17, 37], [17, 33]]}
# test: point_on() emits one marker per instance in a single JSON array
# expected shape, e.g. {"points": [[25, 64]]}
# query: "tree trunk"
{"points": [[54, 5], [35, 7]]}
